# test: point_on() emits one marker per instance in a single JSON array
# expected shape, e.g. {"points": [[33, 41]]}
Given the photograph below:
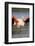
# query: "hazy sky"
{"points": [[20, 12]]}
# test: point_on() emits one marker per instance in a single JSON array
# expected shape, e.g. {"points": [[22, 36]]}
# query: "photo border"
{"points": [[6, 22]]}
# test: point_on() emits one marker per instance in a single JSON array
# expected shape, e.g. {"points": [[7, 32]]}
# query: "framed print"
{"points": [[19, 22]]}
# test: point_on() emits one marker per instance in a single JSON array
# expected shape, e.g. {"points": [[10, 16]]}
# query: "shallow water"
{"points": [[21, 32]]}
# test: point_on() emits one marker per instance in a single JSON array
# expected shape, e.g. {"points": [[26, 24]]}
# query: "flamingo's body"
{"points": [[16, 21]]}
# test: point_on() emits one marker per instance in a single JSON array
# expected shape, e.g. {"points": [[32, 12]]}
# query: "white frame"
{"points": [[10, 39]]}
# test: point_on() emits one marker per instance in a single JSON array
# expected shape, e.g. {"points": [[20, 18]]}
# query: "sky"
{"points": [[20, 12]]}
